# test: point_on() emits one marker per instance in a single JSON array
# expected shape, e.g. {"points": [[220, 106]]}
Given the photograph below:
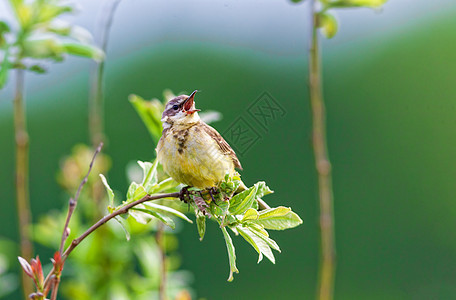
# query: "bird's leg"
{"points": [[212, 196], [184, 194], [212, 191]]}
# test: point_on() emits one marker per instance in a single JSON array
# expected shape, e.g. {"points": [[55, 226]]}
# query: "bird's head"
{"points": [[180, 110]]}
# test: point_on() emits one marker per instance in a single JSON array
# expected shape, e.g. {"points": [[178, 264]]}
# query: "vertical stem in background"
{"points": [[96, 100], [323, 166], [161, 247], [22, 176], [96, 115]]}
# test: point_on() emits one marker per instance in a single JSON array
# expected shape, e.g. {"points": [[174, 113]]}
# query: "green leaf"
{"points": [[246, 199], [48, 12], [24, 13], [165, 186], [219, 208], [248, 236], [47, 48], [356, 3], [108, 190], [131, 191], [243, 201], [250, 214], [84, 50], [261, 234], [201, 224], [278, 218], [150, 113], [135, 192], [259, 228], [368, 3], [166, 210], [121, 221], [80, 34], [60, 30], [150, 176], [141, 215], [231, 254], [262, 189], [75, 32], [259, 241], [328, 24]]}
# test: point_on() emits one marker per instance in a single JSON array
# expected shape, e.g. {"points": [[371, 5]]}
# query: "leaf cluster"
{"points": [[241, 213], [40, 35], [227, 205]]}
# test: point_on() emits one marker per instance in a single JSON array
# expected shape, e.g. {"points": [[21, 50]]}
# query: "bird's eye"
{"points": [[175, 107]]}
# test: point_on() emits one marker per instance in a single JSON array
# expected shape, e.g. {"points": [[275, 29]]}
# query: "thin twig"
{"points": [[161, 248], [323, 166], [262, 204], [22, 176], [122, 210], [96, 100], [74, 201]]}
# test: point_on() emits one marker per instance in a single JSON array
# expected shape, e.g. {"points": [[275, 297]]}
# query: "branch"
{"points": [[74, 201], [122, 210], [323, 166], [55, 288]]}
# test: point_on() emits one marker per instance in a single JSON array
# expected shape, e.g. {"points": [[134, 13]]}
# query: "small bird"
{"points": [[190, 151]]}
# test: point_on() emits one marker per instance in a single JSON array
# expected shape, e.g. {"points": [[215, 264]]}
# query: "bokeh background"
{"points": [[390, 88]]}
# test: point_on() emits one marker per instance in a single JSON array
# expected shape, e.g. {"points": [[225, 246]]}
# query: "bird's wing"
{"points": [[224, 146]]}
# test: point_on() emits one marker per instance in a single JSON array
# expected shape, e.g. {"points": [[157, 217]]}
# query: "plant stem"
{"points": [[161, 247], [22, 176], [55, 289], [262, 204], [96, 99], [323, 166]]}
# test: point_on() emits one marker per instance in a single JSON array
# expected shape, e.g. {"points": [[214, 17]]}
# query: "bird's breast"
{"points": [[192, 157]]}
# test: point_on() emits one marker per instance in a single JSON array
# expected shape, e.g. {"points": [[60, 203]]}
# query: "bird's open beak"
{"points": [[188, 104]]}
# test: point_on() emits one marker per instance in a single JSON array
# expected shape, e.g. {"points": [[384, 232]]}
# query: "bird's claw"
{"points": [[184, 194]]}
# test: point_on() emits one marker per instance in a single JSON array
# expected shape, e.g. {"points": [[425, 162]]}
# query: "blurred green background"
{"points": [[391, 101]]}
